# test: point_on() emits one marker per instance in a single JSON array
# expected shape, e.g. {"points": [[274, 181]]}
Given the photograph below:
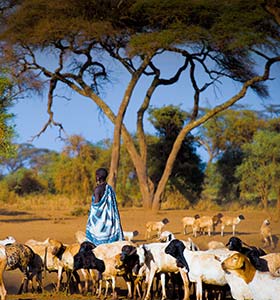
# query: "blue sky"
{"points": [[81, 116]]}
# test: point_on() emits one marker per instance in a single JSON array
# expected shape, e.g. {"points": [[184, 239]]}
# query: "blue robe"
{"points": [[104, 225]]}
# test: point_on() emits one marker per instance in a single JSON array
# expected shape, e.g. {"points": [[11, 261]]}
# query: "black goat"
{"points": [[252, 252]]}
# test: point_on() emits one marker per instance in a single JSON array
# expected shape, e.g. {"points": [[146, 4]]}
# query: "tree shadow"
{"points": [[5, 212], [16, 216]]}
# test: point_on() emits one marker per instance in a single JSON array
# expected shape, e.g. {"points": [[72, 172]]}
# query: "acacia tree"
{"points": [[217, 37]]}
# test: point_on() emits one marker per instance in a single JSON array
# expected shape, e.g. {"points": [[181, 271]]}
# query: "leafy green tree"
{"points": [[187, 173], [223, 137], [7, 131], [260, 168], [83, 39], [24, 182], [229, 130]]}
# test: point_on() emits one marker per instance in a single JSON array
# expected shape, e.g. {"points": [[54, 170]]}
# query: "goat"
{"points": [[80, 236], [155, 226], [3, 264], [216, 245], [156, 261], [262, 285], [236, 244], [166, 236], [129, 235], [202, 266], [204, 222], [20, 256], [85, 259], [273, 263], [188, 221], [7, 240], [108, 253], [266, 263], [57, 257], [266, 234], [129, 262], [261, 261], [230, 221]]}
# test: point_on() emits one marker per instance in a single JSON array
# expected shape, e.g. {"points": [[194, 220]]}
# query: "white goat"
{"points": [[273, 263], [188, 221], [80, 236], [204, 222], [108, 253], [7, 240], [166, 236], [130, 235], [266, 234], [263, 285], [155, 226], [204, 266], [156, 261], [230, 221], [216, 245]]}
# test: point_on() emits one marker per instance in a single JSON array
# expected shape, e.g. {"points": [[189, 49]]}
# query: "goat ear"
{"points": [[144, 248]]}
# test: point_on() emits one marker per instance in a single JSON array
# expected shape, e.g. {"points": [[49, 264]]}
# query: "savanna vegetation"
{"points": [[244, 169], [213, 41]]}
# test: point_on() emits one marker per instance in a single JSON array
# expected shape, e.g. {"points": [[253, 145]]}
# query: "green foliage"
{"points": [[230, 129], [7, 131], [260, 169], [224, 136], [187, 174], [6, 195], [24, 182]]}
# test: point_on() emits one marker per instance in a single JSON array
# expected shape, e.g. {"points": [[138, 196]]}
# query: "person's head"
{"points": [[101, 175]]}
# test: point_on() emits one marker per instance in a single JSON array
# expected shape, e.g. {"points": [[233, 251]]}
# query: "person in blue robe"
{"points": [[104, 224]]}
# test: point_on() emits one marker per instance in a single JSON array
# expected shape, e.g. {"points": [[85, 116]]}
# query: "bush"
{"points": [[79, 211], [6, 195]]}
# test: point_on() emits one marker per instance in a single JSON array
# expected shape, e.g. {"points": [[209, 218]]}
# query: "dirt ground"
{"points": [[59, 224]]}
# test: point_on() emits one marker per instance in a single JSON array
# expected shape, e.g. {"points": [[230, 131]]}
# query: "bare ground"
{"points": [[58, 223]]}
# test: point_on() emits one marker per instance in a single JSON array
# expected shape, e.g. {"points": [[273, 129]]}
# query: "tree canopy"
{"points": [[264, 164], [7, 131], [236, 40]]}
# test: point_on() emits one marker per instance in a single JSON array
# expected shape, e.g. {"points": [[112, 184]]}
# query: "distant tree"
{"points": [[229, 130], [223, 137], [220, 38], [26, 156], [260, 169]]}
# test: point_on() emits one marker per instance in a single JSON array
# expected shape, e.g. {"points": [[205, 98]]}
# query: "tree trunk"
{"points": [[278, 206], [264, 198], [115, 158]]}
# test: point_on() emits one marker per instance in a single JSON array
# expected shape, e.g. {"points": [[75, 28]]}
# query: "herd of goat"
{"points": [[223, 271]]}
